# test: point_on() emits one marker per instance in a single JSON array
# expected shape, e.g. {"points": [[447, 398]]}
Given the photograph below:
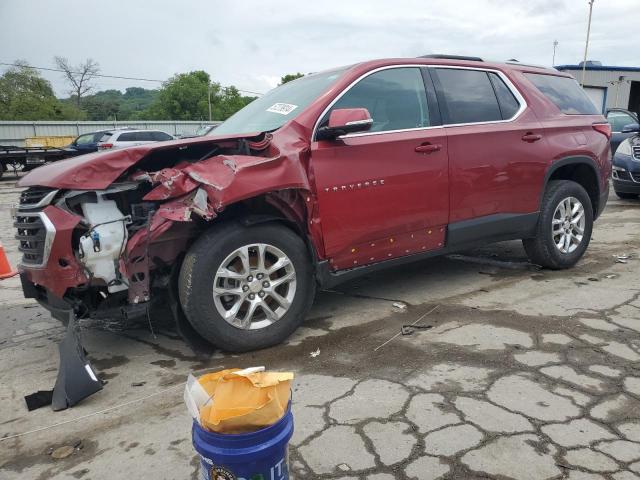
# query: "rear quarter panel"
{"points": [[569, 135]]}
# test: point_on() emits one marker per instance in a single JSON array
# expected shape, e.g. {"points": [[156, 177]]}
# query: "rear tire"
{"points": [[562, 236], [627, 196], [230, 311]]}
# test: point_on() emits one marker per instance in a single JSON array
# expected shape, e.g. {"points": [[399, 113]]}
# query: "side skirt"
{"points": [[460, 236]]}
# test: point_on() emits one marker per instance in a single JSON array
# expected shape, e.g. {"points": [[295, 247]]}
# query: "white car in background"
{"points": [[130, 138]]}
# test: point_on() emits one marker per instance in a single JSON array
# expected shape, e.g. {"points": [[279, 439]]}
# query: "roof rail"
{"points": [[513, 61], [452, 57]]}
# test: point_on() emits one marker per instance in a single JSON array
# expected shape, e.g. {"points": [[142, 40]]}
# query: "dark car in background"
{"points": [[87, 142], [624, 124], [626, 168]]}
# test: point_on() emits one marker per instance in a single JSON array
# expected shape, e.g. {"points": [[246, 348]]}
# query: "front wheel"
{"points": [[246, 288], [564, 226]]}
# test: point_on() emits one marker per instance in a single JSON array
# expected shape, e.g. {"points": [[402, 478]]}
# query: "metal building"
{"points": [[14, 132], [608, 86]]}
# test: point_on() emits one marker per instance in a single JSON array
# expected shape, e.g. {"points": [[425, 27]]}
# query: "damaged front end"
{"points": [[101, 234]]}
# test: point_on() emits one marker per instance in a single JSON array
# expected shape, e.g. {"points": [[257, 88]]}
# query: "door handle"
{"points": [[531, 137], [428, 148]]}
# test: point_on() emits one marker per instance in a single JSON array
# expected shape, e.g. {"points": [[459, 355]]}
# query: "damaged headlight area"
{"points": [[85, 262]]}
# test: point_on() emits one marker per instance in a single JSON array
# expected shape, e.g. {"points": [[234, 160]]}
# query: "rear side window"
{"points": [[146, 136], [506, 100], [161, 136], [395, 98], [468, 96], [565, 93], [128, 137]]}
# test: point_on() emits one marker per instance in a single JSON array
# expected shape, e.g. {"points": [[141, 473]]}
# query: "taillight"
{"points": [[603, 128], [104, 146]]}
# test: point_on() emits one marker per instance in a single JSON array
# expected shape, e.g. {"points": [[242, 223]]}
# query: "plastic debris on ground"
{"points": [[238, 401], [409, 329], [400, 306], [62, 452], [315, 353]]}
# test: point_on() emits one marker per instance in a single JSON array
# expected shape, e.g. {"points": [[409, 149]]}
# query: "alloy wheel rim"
{"points": [[254, 286], [568, 225]]}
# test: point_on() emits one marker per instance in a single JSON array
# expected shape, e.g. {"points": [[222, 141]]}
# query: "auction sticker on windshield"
{"points": [[282, 108]]}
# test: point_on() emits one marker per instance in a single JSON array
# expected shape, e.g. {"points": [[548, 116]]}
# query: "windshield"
{"points": [[278, 106], [203, 129]]}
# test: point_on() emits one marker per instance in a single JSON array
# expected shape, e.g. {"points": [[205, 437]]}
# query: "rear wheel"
{"points": [[245, 288], [627, 196], [564, 227]]}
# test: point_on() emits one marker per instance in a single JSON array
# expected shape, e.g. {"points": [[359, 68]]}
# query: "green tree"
{"points": [[227, 102], [25, 95], [186, 97], [104, 105], [182, 97], [290, 76]]}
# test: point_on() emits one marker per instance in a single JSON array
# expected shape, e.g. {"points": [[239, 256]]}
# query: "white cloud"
{"points": [[251, 44]]}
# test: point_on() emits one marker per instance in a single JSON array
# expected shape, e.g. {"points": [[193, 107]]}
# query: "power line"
{"points": [[106, 76]]}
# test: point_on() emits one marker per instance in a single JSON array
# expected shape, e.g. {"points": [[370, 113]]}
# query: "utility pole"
{"points": [[209, 99], [586, 45], [555, 45]]}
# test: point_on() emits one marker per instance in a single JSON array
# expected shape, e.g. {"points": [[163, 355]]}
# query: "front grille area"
{"points": [[33, 197], [636, 152], [31, 237], [621, 175], [635, 177]]}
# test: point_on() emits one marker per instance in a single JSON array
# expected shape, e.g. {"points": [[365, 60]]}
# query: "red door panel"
{"points": [[494, 170], [372, 187]]}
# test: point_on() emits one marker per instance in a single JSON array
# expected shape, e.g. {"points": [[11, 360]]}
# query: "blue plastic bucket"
{"points": [[260, 455]]}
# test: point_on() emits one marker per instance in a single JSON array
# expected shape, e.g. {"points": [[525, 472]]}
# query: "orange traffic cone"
{"points": [[5, 268]]}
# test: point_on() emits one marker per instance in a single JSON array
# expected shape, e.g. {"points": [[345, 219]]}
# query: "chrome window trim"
{"points": [[50, 234], [512, 88]]}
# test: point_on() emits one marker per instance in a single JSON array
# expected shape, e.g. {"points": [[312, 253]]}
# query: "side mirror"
{"points": [[345, 120], [631, 128]]}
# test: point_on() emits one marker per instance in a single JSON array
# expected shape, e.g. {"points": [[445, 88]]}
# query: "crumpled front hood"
{"points": [[96, 171]]}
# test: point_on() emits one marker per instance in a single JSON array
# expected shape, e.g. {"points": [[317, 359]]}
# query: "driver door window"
{"points": [[395, 99]]}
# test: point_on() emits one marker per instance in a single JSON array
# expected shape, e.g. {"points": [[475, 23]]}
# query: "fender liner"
{"points": [[258, 218], [598, 200]]}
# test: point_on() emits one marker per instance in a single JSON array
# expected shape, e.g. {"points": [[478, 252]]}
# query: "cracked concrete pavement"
{"points": [[525, 374]]}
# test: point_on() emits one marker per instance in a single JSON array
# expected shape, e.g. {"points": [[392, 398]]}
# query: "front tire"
{"points": [[245, 288], [564, 227]]}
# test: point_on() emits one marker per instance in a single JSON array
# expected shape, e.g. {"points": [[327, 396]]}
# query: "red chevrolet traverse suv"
{"points": [[332, 175]]}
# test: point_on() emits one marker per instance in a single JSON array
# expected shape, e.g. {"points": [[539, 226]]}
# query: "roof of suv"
{"points": [[463, 61]]}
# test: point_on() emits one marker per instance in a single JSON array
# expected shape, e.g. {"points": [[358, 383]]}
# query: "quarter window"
{"points": [[468, 96], [395, 98], [565, 93]]}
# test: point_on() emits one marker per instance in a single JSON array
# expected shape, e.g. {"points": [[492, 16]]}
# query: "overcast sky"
{"points": [[251, 44]]}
